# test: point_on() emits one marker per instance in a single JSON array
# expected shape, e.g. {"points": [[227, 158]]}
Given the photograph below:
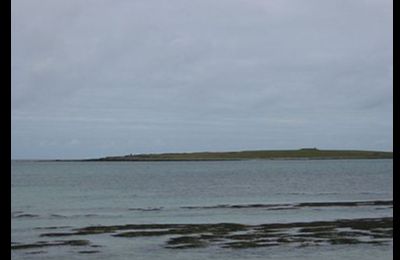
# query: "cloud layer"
{"points": [[97, 77]]}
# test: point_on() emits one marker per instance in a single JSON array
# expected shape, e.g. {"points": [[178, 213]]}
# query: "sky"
{"points": [[93, 78]]}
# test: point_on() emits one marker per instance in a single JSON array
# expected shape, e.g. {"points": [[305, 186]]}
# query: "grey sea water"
{"points": [[62, 196]]}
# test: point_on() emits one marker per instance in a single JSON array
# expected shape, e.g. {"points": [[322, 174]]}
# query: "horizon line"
{"points": [[184, 152]]}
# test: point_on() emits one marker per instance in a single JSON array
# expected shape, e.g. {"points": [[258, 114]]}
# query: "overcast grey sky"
{"points": [[94, 78]]}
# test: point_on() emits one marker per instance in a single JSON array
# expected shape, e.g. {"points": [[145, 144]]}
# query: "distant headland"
{"points": [[304, 153]]}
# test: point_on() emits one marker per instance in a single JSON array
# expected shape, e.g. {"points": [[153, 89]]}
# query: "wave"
{"points": [[287, 206], [146, 209], [377, 204], [57, 216], [52, 227], [332, 193], [308, 193], [76, 216], [23, 215]]}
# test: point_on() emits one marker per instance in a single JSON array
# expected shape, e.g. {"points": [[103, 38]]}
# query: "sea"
{"points": [[50, 197]]}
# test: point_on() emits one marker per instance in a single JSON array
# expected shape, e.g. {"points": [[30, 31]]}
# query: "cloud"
{"points": [[153, 76]]}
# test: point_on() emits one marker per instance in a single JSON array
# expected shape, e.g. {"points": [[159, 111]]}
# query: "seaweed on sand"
{"points": [[231, 235]]}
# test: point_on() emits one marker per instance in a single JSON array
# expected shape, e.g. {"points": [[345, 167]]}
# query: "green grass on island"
{"points": [[305, 153]]}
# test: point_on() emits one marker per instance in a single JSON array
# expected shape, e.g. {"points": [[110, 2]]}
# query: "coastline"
{"points": [[301, 154]]}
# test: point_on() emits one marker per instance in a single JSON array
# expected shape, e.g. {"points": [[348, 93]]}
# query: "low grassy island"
{"points": [[305, 153]]}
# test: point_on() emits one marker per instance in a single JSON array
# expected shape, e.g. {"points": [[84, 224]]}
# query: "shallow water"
{"points": [[79, 194]]}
